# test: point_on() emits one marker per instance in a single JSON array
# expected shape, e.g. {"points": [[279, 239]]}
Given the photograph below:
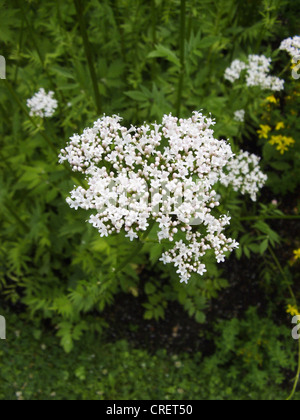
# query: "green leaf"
{"points": [[150, 288], [208, 41], [281, 166], [200, 317], [80, 373], [254, 248], [136, 96], [263, 227], [67, 343], [155, 253], [164, 52], [264, 246], [63, 72], [148, 315], [115, 69]]}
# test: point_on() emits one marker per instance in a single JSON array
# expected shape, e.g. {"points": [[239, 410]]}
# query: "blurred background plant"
{"points": [[143, 60]]}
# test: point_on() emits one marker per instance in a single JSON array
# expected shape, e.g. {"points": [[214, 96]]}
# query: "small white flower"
{"points": [[233, 72], [239, 116], [244, 175], [292, 46], [257, 73], [132, 235], [42, 104]]}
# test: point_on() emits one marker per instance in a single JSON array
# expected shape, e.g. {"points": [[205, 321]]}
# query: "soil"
{"points": [[178, 332]]}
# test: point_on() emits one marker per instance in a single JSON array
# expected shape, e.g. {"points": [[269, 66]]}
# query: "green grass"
{"points": [[33, 366]]}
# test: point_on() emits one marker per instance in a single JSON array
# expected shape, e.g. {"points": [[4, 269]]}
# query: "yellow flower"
{"points": [[282, 148], [276, 140], [264, 131], [297, 254], [292, 310], [272, 99], [283, 143], [289, 141], [280, 126]]}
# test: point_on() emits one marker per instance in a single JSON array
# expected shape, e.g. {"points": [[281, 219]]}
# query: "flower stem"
{"points": [[285, 70], [42, 133], [295, 304], [118, 20], [182, 55], [137, 249], [283, 274], [23, 108], [88, 53], [154, 37], [39, 53], [297, 375]]}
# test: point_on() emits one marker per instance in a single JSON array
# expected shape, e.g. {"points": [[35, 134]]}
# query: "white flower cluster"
{"points": [[233, 73], [244, 175], [292, 46], [239, 116], [42, 104], [160, 173], [257, 73]]}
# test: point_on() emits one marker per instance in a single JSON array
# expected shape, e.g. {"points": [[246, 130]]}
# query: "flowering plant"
{"points": [[257, 73], [42, 104], [166, 174], [292, 46]]}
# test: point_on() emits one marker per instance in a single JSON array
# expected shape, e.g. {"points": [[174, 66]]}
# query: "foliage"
{"points": [[250, 363], [280, 146], [137, 59]]}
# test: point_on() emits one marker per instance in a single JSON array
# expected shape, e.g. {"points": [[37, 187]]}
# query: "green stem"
{"points": [[45, 69], [259, 40], [118, 20], [43, 134], [285, 70], [24, 109], [283, 275], [182, 55], [20, 49], [154, 37], [137, 249], [59, 15], [24, 15], [88, 53], [190, 19], [295, 304], [153, 21], [297, 376]]}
